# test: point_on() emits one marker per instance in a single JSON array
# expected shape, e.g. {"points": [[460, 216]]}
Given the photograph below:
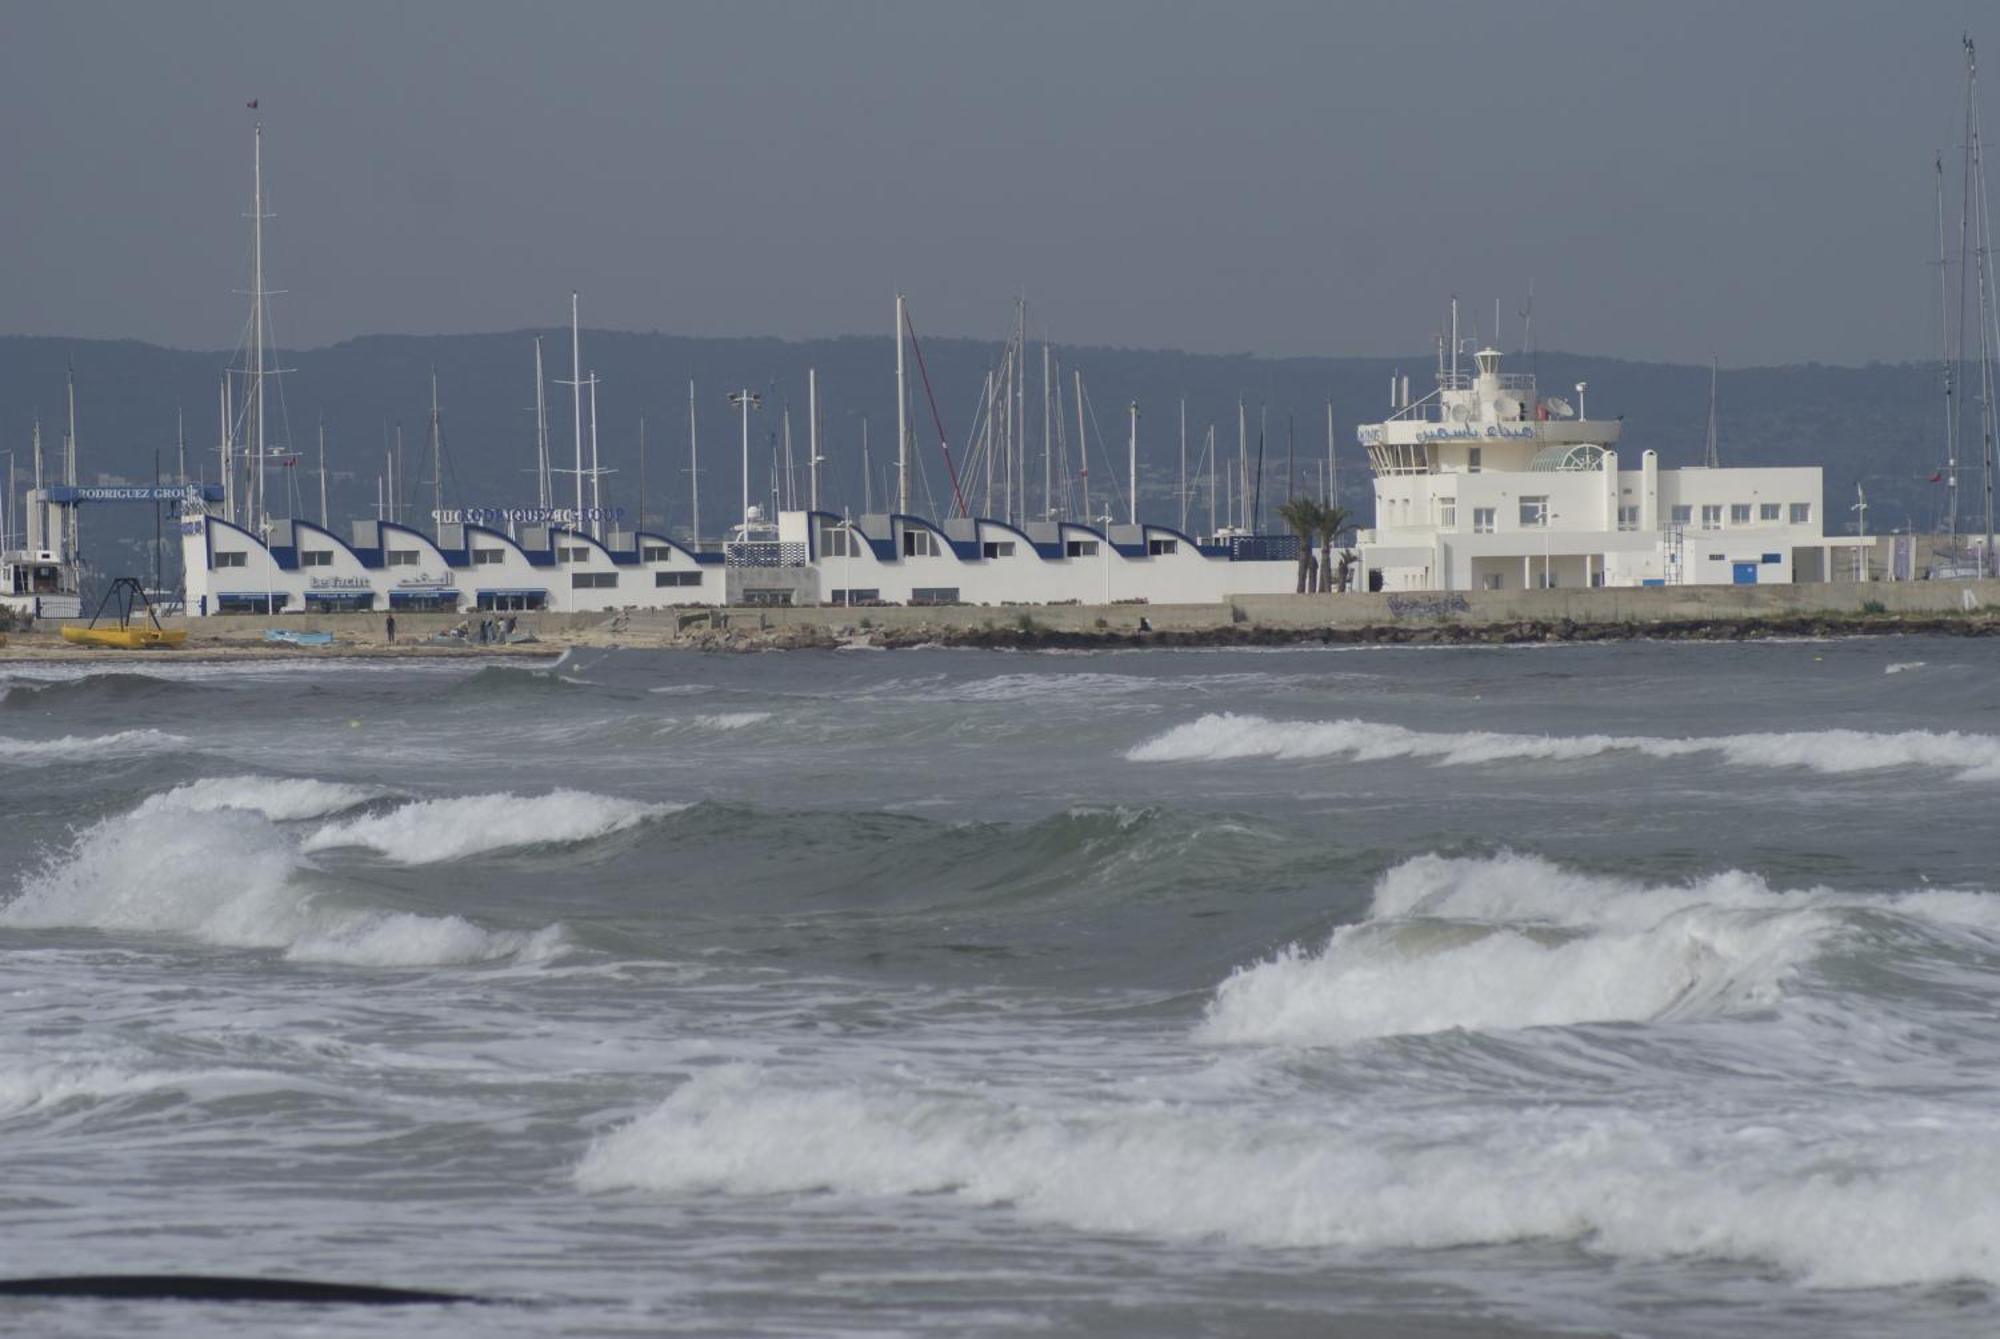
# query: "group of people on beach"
{"points": [[486, 631]]}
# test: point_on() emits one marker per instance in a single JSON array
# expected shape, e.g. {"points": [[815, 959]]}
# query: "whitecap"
{"points": [[424, 832]]}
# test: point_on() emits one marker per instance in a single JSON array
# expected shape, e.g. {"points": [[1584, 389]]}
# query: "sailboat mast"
{"points": [[694, 473], [641, 524], [596, 474], [1183, 487], [812, 438], [437, 459], [1713, 457], [1132, 464], [902, 420], [71, 540], [1947, 373], [1049, 432], [1082, 445], [322, 473], [542, 481], [224, 449], [576, 403], [1332, 489], [257, 333], [1989, 331]]}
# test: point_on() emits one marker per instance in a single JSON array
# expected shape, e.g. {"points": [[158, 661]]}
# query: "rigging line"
{"points": [[944, 442]]}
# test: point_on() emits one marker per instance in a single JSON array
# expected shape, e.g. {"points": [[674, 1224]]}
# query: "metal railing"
{"points": [[763, 553]]}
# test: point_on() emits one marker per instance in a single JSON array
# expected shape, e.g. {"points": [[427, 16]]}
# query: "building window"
{"points": [[1683, 514], [997, 548], [655, 553], [919, 544], [1711, 516], [1739, 513], [934, 595], [400, 558], [1472, 460], [1491, 580], [1447, 513], [1482, 520], [1082, 548], [1628, 516], [1802, 513], [1157, 548], [857, 596], [487, 556], [230, 559], [581, 553], [837, 542], [1534, 511], [676, 578], [592, 580], [316, 558], [1768, 512]]}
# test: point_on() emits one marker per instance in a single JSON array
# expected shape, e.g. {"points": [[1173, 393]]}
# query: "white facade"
{"points": [[813, 558], [1483, 486]]}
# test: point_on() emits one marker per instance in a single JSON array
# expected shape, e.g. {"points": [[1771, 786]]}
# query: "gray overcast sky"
{"points": [[1752, 179]]}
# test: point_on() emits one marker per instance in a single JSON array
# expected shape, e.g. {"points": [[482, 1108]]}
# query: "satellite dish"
{"points": [[1505, 408], [1461, 413], [1559, 407]]}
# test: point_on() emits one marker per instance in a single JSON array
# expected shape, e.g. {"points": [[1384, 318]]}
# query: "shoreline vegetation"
{"points": [[1698, 614]]}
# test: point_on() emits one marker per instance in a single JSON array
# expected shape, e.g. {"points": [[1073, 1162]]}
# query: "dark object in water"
{"points": [[223, 1288]]}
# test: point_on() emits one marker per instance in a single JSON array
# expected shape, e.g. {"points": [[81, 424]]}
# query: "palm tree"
{"points": [[1301, 515], [1329, 521]]}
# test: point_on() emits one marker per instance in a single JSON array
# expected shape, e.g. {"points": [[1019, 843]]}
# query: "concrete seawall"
{"points": [[1970, 607]]}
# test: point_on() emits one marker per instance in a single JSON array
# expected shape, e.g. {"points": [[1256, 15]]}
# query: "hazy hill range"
{"points": [[1880, 425]]}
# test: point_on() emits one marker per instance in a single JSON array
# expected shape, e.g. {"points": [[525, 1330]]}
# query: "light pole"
{"points": [[1547, 516]]}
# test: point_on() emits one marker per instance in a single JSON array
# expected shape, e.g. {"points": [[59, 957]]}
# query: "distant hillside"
{"points": [[1880, 424]]}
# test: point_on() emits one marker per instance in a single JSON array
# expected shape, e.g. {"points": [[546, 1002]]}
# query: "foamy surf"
{"points": [[425, 832], [1227, 736], [230, 877], [1514, 941], [1615, 1183]]}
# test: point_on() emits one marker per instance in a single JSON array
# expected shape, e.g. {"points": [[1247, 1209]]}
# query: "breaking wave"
{"points": [[115, 689], [277, 798], [231, 877], [1515, 941], [425, 832], [1222, 736], [1614, 1182]]}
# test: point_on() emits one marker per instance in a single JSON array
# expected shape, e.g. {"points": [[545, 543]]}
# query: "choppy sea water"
{"points": [[1648, 989]]}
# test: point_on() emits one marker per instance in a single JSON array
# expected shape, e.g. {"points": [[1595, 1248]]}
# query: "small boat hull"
{"points": [[287, 637], [131, 639]]}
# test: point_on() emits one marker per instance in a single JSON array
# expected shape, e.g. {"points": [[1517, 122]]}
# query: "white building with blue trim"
{"points": [[805, 558]]}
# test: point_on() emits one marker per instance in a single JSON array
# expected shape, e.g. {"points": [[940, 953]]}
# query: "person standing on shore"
{"points": [[390, 624]]}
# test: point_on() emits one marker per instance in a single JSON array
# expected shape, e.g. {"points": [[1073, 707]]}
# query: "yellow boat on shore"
{"points": [[129, 597], [132, 639]]}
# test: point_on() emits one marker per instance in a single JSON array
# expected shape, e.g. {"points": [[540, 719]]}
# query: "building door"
{"points": [[1745, 573]]}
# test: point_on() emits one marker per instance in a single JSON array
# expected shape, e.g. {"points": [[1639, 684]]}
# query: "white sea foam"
{"points": [[424, 832], [1899, 1210], [90, 746], [276, 797], [1222, 736], [731, 720], [1903, 666], [1514, 941], [231, 877], [1903, 1210]]}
